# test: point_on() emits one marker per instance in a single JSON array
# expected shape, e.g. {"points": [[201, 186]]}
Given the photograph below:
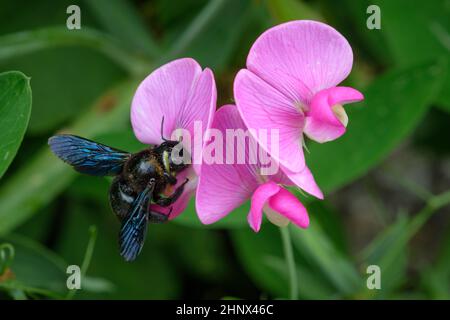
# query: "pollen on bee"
{"points": [[168, 190]]}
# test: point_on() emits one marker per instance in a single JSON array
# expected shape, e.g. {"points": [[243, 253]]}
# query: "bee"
{"points": [[140, 179]]}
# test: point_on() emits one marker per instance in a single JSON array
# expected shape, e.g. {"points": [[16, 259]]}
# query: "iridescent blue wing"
{"points": [[87, 156], [134, 226]]}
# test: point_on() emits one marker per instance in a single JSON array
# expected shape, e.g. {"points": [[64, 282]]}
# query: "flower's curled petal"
{"points": [[300, 58], [260, 196], [305, 181], [322, 123], [272, 119], [286, 204], [274, 217]]}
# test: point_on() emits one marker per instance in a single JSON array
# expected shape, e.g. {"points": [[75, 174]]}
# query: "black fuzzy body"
{"points": [[141, 179], [137, 171]]}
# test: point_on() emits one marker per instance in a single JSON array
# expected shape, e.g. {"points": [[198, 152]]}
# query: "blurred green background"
{"points": [[386, 182]]}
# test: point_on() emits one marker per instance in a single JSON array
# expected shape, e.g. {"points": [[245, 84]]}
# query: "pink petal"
{"points": [[286, 204], [199, 108], [220, 190], [281, 178], [223, 187], [322, 124], [305, 181], [262, 107], [300, 58], [263, 193], [178, 91]]}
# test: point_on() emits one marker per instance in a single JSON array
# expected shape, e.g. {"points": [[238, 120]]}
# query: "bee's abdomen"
{"points": [[121, 197]]}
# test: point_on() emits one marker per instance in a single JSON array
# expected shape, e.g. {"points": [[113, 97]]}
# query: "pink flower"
{"points": [[224, 187], [182, 93], [290, 84]]}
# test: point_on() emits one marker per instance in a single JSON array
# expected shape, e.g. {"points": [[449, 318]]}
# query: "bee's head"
{"points": [[174, 157]]}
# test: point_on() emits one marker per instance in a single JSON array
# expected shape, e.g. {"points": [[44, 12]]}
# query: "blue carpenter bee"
{"points": [[140, 180]]}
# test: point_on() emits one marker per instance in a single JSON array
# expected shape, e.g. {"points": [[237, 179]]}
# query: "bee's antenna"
{"points": [[162, 130]]}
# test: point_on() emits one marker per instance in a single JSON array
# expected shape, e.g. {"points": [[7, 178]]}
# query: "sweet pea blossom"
{"points": [[290, 84], [224, 187], [183, 94]]}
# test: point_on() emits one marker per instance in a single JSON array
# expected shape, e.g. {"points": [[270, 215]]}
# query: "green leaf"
{"points": [[21, 43], [317, 248], [330, 221], [123, 140], [69, 68], [122, 20], [429, 21], [389, 251], [436, 278], [287, 10], [195, 28], [213, 46], [15, 109], [351, 17], [394, 104], [91, 63], [57, 98], [431, 40], [47, 275], [33, 15]]}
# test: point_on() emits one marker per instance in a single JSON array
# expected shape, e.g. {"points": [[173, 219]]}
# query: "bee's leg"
{"points": [[167, 201], [158, 217], [170, 179]]}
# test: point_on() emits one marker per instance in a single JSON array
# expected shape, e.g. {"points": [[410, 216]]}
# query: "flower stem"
{"points": [[433, 204], [6, 257], [87, 258], [289, 256]]}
